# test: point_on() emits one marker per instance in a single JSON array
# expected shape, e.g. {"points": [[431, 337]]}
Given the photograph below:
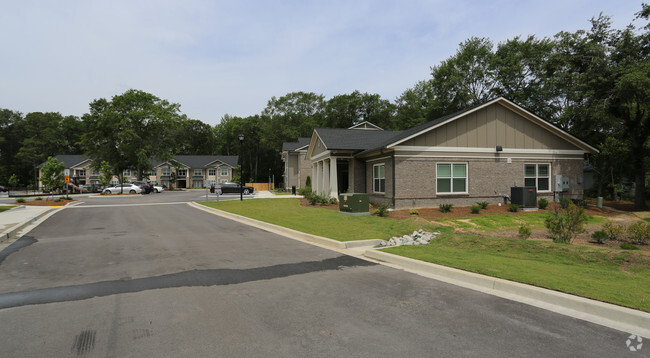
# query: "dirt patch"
{"points": [[45, 202]]}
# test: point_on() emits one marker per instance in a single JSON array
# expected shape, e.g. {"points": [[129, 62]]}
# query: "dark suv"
{"points": [[146, 187]]}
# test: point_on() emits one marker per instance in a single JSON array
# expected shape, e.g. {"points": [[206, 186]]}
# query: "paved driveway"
{"points": [[130, 277]]}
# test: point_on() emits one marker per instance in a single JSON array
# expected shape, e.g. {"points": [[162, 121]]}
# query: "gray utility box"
{"points": [[354, 204], [524, 196]]}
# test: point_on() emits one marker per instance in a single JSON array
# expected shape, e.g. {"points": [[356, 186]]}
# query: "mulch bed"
{"points": [[45, 202]]}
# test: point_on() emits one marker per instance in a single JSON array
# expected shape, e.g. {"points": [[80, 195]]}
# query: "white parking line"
{"points": [[82, 206]]}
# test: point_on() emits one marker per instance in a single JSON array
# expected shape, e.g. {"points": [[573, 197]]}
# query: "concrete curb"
{"points": [[613, 316], [9, 234], [605, 314]]}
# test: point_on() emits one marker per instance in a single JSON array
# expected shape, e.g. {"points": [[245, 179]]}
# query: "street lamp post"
{"points": [[241, 170]]}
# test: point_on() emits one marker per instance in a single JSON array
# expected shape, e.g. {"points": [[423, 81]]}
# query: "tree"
{"points": [[129, 130], [52, 174], [344, 111], [13, 181], [105, 173], [415, 105]]}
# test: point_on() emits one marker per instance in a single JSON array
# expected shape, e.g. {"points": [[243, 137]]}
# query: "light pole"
{"points": [[241, 171]]}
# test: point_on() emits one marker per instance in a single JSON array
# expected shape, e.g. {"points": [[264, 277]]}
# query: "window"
{"points": [[379, 178], [81, 172], [212, 172], [223, 181], [95, 172], [182, 172], [451, 178], [165, 171], [114, 182], [211, 182], [224, 172], [198, 171], [538, 175], [127, 172]]}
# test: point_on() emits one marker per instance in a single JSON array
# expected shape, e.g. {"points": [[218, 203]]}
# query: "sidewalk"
{"points": [[14, 220], [265, 194]]}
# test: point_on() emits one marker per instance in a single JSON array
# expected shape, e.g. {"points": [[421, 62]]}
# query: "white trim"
{"points": [[489, 150], [535, 119], [321, 155], [482, 157], [451, 179], [374, 160], [550, 183], [373, 178]]}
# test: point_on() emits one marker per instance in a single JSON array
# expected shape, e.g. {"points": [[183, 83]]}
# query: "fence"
{"points": [[259, 186]]}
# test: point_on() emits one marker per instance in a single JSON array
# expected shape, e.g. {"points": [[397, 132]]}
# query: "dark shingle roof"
{"points": [[202, 161], [289, 146], [70, 160], [346, 139]]}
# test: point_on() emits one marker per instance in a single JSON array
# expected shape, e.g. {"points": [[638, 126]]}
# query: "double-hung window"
{"points": [[127, 172], [198, 172], [451, 178], [165, 171], [182, 172], [538, 175], [224, 172], [379, 178], [212, 172]]}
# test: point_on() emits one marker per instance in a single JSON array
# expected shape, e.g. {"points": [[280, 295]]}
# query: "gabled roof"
{"points": [[201, 161], [426, 127], [345, 139], [365, 125], [69, 160], [300, 144]]}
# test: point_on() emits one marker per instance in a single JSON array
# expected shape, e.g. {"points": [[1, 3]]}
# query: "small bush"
{"points": [[638, 233], [482, 204], [525, 231], [38, 198], [312, 198], [304, 191], [475, 209], [542, 203], [564, 226], [565, 202], [613, 231], [579, 202], [20, 200], [58, 200], [628, 246], [600, 236], [308, 182], [414, 212], [445, 208], [513, 208], [382, 210], [333, 201], [324, 200]]}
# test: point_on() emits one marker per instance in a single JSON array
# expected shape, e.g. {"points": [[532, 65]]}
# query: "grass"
{"points": [[505, 221], [317, 221], [5, 208], [614, 276]]}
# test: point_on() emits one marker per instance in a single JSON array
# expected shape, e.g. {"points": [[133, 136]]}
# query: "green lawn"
{"points": [[615, 276], [5, 208], [610, 275], [317, 221]]}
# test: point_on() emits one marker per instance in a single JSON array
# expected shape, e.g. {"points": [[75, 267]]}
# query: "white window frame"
{"points": [[182, 172], [537, 177], [211, 182], [199, 171], [374, 179], [224, 170], [165, 171], [223, 181], [126, 172], [212, 172], [81, 172], [451, 179]]}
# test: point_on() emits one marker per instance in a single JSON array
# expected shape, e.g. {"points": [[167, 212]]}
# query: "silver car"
{"points": [[158, 189], [124, 188]]}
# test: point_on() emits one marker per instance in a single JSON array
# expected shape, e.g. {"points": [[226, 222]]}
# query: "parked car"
{"points": [[158, 189], [3, 188], [124, 188], [229, 187], [146, 187]]}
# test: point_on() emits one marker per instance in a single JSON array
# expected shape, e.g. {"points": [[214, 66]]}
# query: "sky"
{"points": [[230, 57]]}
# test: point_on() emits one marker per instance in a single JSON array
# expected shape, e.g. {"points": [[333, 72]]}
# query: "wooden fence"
{"points": [[259, 186]]}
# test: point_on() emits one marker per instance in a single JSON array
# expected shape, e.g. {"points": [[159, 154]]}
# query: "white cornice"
{"points": [[470, 150]]}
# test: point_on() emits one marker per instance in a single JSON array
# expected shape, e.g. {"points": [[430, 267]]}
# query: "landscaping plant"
{"points": [[564, 202], [382, 210], [483, 204], [638, 233], [445, 208], [414, 212], [613, 231], [542, 203], [525, 231], [565, 225], [38, 198], [20, 200], [475, 209], [600, 236], [513, 208], [628, 246]]}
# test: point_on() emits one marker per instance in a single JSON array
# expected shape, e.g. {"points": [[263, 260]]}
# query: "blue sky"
{"points": [[231, 57]]}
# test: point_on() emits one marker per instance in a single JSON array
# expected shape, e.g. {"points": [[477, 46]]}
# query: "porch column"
{"points": [[318, 178], [326, 178], [334, 186], [314, 179]]}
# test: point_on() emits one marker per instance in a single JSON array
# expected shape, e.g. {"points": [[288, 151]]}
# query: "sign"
{"points": [[66, 172], [67, 179]]}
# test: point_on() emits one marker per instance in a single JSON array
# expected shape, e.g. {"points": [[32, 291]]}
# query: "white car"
{"points": [[158, 189], [124, 188]]}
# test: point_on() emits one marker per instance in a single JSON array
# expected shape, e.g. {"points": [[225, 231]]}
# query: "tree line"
{"points": [[593, 83]]}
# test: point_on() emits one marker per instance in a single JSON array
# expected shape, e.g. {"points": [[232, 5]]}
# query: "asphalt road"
{"points": [[150, 276]]}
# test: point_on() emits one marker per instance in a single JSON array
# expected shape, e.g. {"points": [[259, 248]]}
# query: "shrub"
{"points": [[38, 198], [445, 208], [600, 236], [475, 209], [564, 226], [304, 191], [333, 201], [638, 233], [20, 200], [525, 231], [513, 208], [312, 198], [324, 200], [58, 200], [565, 202], [483, 204], [613, 231], [414, 212], [382, 210], [308, 182], [579, 202], [628, 246], [542, 203]]}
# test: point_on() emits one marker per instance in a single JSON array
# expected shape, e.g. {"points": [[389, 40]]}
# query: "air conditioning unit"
{"points": [[524, 196]]}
